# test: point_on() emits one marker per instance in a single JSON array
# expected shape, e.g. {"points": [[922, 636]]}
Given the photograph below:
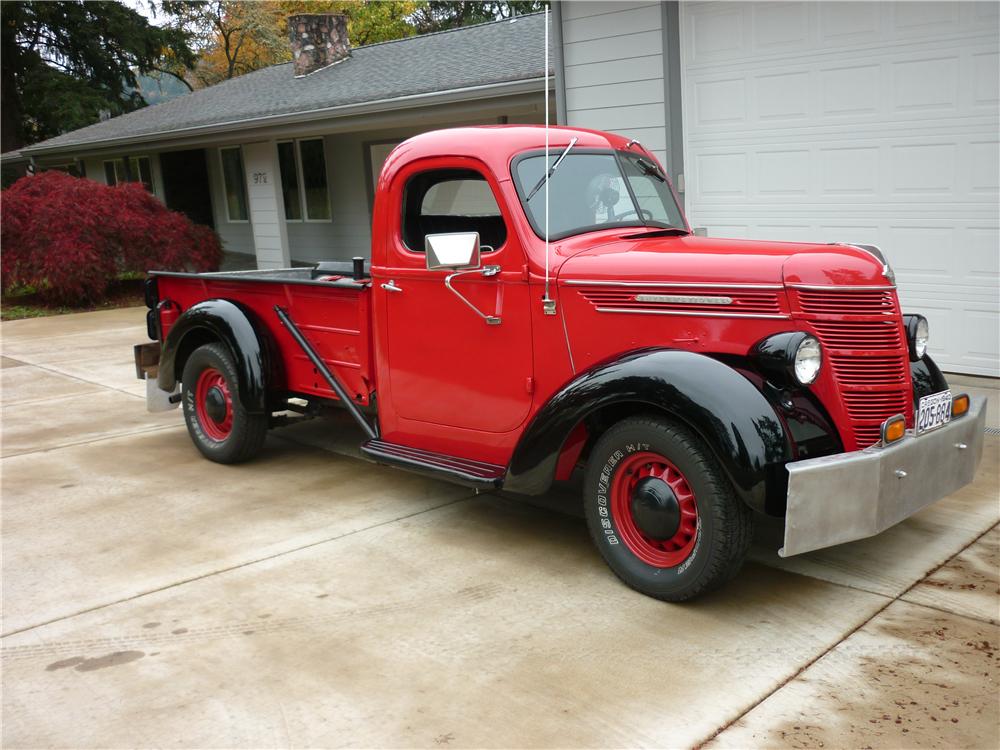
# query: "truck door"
{"points": [[449, 364]]}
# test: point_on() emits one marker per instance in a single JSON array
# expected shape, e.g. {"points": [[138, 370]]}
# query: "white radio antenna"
{"points": [[548, 304]]}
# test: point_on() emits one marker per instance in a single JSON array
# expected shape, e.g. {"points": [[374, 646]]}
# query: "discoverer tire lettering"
{"points": [[692, 537]]}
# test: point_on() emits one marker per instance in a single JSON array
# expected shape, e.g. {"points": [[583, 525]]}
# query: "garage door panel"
{"points": [[784, 173], [783, 96], [984, 168], [849, 171], [924, 168], [926, 84], [921, 253], [986, 79], [716, 33], [841, 23], [850, 90], [720, 101], [780, 27], [924, 17], [982, 255]]}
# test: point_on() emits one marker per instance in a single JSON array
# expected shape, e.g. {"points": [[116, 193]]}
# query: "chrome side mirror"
{"points": [[452, 251]]}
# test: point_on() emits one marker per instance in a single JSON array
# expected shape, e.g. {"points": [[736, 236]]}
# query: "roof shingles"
{"points": [[490, 53]]}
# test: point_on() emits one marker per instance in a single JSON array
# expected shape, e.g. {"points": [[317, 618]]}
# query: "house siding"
{"points": [[613, 69]]}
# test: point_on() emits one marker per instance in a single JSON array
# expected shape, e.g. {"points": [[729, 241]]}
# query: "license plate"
{"points": [[933, 411]]}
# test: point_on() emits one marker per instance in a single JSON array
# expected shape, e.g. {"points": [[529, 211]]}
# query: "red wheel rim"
{"points": [[214, 404], [660, 553]]}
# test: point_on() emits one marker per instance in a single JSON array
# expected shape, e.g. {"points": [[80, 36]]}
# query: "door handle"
{"points": [[390, 286]]}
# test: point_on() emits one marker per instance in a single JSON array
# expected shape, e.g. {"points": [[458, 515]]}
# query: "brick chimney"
{"points": [[318, 40]]}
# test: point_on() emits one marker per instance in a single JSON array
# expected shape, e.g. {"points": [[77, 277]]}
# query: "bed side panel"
{"points": [[334, 320]]}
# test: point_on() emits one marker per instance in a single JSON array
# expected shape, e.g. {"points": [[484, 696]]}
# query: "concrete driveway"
{"points": [[153, 598]]}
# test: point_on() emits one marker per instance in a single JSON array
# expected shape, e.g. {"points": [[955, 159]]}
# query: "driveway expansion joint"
{"points": [[61, 373], [100, 438], [238, 566]]}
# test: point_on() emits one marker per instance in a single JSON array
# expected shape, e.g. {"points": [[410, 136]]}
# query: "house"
{"points": [[873, 122], [282, 161]]}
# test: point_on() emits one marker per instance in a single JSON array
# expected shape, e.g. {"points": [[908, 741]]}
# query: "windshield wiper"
{"points": [[552, 170], [650, 169]]}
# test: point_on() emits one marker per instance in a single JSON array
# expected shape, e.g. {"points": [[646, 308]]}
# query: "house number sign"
{"points": [[260, 178]]}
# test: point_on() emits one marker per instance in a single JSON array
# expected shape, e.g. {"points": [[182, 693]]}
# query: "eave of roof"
{"points": [[529, 85], [401, 73]]}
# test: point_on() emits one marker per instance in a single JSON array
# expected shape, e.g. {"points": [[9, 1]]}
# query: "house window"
{"points": [[303, 180], [235, 183], [290, 187], [133, 169]]}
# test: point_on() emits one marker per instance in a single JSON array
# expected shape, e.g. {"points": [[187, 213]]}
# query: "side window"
{"points": [[451, 200]]}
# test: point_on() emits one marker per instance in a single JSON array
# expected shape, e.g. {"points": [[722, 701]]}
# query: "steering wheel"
{"points": [[644, 213]]}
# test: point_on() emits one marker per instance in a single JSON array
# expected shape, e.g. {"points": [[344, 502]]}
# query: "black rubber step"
{"points": [[453, 468]]}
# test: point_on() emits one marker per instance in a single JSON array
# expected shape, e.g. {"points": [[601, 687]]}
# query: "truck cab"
{"points": [[535, 303]]}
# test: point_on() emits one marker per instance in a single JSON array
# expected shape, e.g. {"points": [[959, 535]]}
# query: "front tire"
{"points": [[218, 424], [662, 512]]}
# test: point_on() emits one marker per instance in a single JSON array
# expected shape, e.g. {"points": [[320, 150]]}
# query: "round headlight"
{"points": [[920, 337], [808, 358]]}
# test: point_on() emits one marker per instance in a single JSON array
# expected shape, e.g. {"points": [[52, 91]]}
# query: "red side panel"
{"points": [[334, 320]]}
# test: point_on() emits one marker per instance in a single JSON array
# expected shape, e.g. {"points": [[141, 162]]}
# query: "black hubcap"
{"points": [[655, 509], [215, 404]]}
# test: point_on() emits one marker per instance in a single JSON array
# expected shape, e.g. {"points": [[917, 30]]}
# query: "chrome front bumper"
{"points": [[837, 499]]}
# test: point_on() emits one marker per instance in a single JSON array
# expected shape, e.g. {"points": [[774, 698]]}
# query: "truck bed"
{"points": [[331, 308]]}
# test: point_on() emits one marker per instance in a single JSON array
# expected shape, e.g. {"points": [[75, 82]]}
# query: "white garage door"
{"points": [[858, 122]]}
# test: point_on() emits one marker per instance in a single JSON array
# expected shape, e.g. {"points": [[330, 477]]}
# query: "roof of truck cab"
{"points": [[474, 61], [496, 145]]}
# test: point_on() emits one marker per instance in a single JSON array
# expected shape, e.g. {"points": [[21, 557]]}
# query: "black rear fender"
{"points": [[236, 327], [734, 419]]}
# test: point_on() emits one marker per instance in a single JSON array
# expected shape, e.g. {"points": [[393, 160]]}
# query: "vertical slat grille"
{"points": [[863, 343]]}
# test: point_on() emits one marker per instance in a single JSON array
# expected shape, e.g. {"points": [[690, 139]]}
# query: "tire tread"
{"points": [[733, 520], [249, 430]]}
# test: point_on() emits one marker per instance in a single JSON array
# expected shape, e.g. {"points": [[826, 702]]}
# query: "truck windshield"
{"points": [[594, 190]]}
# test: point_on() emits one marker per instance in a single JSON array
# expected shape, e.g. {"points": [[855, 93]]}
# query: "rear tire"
{"points": [[661, 511], [218, 424]]}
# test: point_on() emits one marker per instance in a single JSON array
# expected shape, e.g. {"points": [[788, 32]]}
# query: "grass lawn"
{"points": [[25, 302]]}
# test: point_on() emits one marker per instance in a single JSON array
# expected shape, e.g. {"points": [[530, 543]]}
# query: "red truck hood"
{"points": [[710, 260]]}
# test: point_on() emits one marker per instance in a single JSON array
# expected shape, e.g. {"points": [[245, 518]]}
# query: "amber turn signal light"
{"points": [[893, 429], [960, 404]]}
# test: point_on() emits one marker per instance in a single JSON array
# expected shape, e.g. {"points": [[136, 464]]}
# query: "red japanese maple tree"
{"points": [[71, 237]]}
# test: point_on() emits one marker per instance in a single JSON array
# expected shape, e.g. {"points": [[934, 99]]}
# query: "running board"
{"points": [[461, 470]]}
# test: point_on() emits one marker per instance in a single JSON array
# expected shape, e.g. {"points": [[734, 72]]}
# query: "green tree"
{"points": [[65, 63], [437, 15]]}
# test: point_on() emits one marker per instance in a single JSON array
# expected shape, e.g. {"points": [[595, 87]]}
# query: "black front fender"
{"points": [[927, 378], [720, 405], [232, 325]]}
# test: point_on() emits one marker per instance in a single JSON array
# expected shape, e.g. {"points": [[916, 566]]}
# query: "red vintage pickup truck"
{"points": [[693, 381]]}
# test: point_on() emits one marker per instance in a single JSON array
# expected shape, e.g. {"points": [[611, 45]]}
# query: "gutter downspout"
{"points": [[560, 71]]}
